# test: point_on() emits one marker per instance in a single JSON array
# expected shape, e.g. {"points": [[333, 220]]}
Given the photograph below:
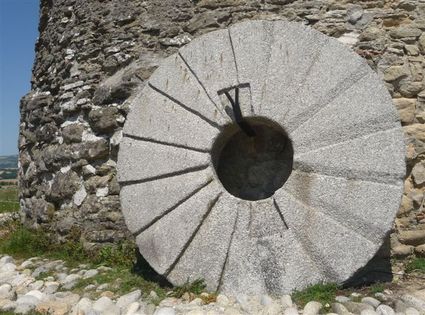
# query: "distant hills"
{"points": [[8, 161], [8, 167]]}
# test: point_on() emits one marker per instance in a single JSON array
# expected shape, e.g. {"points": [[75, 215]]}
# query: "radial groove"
{"points": [[336, 220], [337, 134], [220, 281], [310, 250], [276, 206], [313, 62], [211, 206], [176, 145], [234, 56], [200, 83], [341, 87], [190, 110], [346, 141], [188, 170], [159, 217], [364, 176]]}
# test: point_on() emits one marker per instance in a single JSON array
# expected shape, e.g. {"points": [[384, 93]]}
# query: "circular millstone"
{"points": [[261, 158]]}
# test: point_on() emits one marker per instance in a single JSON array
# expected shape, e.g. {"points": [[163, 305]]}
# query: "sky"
{"points": [[18, 33]]}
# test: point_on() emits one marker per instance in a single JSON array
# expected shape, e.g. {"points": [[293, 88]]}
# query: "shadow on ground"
{"points": [[378, 269]]}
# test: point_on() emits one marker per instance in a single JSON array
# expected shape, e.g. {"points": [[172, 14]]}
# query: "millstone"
{"points": [[261, 158]]}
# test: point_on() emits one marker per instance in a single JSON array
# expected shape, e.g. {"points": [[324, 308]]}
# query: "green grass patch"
{"points": [[377, 288], [8, 173], [9, 199], [13, 313], [196, 287], [6, 206], [124, 276], [122, 281], [25, 243], [323, 293], [417, 264]]}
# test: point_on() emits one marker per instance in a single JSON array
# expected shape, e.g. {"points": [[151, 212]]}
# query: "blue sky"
{"points": [[18, 32]]}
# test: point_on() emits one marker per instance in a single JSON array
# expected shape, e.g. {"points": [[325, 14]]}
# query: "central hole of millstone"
{"points": [[253, 168]]}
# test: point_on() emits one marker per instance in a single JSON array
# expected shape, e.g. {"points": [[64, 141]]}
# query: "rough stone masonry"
{"points": [[93, 57]]}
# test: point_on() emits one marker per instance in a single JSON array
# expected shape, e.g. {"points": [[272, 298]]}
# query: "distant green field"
{"points": [[8, 161], [9, 199], [8, 173]]}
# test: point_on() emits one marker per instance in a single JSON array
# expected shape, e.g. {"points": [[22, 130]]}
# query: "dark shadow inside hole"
{"points": [[253, 168]]}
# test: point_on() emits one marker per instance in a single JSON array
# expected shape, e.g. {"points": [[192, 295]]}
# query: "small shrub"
{"points": [[196, 287], [417, 264], [24, 243], [122, 254], [323, 293], [122, 281], [9, 198], [377, 288]]}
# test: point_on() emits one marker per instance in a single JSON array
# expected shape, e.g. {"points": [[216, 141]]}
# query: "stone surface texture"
{"points": [[94, 57], [334, 211]]}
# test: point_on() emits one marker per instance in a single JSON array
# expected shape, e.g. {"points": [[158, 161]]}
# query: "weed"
{"points": [[24, 243], [377, 288], [209, 298], [44, 275], [13, 313], [324, 293], [417, 264], [196, 287], [122, 281], [121, 255], [9, 199]]}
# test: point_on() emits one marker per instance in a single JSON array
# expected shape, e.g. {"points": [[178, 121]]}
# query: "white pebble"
{"points": [[371, 301], [286, 301], [290, 311], [312, 308], [165, 311], [385, 310], [222, 300], [411, 311]]}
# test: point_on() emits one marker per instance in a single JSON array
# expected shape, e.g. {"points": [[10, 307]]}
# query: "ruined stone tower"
{"points": [[93, 57]]}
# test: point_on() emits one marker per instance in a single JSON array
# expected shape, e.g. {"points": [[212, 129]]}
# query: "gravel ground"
{"points": [[49, 287]]}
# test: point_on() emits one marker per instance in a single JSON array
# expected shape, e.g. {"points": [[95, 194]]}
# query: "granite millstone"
{"points": [[333, 212]]}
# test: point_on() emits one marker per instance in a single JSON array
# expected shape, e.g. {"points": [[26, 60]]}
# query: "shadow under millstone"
{"points": [[142, 268], [378, 269]]}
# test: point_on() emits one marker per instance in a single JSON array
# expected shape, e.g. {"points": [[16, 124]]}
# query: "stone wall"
{"points": [[93, 56]]}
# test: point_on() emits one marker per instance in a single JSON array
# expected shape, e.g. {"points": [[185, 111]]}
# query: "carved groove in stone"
{"points": [[146, 226], [176, 145], [212, 123], [144, 180], [210, 207]]}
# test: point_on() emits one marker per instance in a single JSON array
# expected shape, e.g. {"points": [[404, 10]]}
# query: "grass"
{"points": [[122, 280], [24, 243], [8, 173], [377, 288], [9, 199], [416, 265], [196, 287], [323, 293], [13, 313], [124, 276]]}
